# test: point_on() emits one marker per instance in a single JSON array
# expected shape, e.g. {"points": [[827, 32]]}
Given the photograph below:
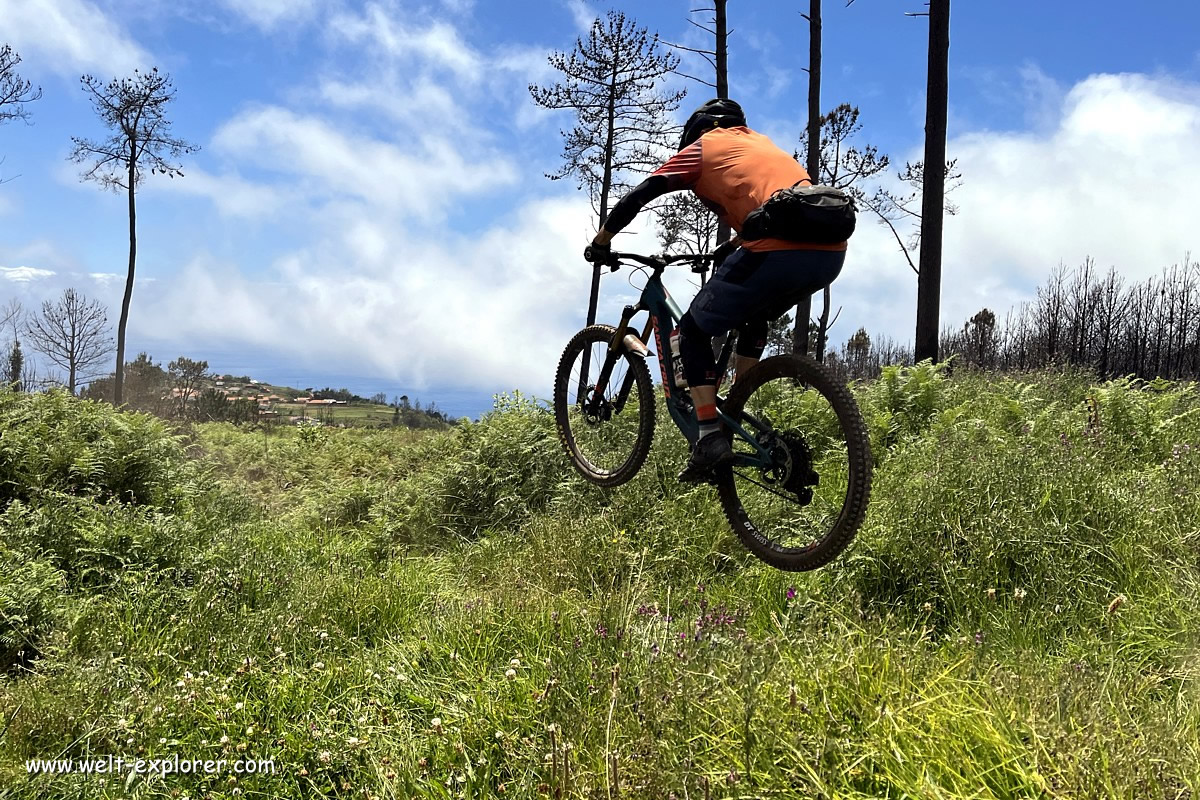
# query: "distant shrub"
{"points": [[52, 442], [492, 474], [29, 590], [94, 544], [901, 404]]}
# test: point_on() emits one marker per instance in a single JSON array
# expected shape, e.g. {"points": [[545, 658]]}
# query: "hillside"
{"points": [[401, 614], [188, 391]]}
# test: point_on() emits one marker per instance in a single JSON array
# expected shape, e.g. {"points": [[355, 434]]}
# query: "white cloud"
{"points": [[268, 14], [1107, 174], [431, 310], [1111, 180], [47, 255], [582, 14], [24, 274], [424, 101], [417, 177], [436, 45], [69, 37], [1042, 98], [426, 76], [233, 195]]}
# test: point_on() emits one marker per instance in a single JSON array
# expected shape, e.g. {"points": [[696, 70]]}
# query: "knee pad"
{"points": [[695, 350], [752, 339]]}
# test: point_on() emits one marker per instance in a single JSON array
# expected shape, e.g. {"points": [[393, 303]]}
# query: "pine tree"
{"points": [[134, 109], [16, 363], [623, 127]]}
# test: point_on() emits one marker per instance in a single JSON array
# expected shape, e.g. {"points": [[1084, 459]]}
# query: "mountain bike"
{"points": [[798, 490]]}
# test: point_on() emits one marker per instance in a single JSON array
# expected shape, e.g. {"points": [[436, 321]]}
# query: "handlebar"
{"points": [[701, 261]]}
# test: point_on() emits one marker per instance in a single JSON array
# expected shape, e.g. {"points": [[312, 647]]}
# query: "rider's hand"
{"points": [[724, 251], [598, 253]]}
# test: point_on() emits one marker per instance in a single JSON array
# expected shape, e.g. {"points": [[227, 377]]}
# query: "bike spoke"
{"points": [[802, 432], [604, 436]]}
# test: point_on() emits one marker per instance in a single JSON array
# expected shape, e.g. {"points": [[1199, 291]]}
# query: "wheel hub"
{"points": [[596, 412], [791, 464]]}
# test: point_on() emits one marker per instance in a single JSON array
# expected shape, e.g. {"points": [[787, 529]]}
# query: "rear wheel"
{"points": [[800, 512], [606, 432]]}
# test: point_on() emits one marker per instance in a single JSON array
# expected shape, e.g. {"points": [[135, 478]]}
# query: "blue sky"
{"points": [[369, 209]]}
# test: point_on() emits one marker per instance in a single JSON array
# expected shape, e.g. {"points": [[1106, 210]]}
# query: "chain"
{"points": [[788, 497]]}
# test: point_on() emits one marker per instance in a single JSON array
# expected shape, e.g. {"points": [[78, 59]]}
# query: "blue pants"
{"points": [[746, 293]]}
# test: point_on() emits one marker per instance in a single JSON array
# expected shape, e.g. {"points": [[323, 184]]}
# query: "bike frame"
{"points": [[664, 312]]}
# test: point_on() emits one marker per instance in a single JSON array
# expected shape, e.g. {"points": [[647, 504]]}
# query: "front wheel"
{"points": [[802, 501], [606, 429]]}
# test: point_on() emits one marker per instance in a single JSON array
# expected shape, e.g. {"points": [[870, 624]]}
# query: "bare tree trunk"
{"points": [[722, 49], [72, 370], [119, 374], [722, 57], [929, 281], [814, 91], [605, 190], [823, 327], [721, 53], [804, 308]]}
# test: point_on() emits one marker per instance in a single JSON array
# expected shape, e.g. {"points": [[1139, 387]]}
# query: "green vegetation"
{"points": [[396, 614], [365, 414]]}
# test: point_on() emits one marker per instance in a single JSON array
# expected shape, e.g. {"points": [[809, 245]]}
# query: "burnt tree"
{"points": [[139, 142], [72, 334], [929, 279]]}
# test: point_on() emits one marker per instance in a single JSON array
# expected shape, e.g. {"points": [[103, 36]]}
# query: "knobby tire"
{"points": [[644, 387], [830, 544]]}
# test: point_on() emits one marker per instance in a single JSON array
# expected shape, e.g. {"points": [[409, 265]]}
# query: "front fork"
{"points": [[622, 342]]}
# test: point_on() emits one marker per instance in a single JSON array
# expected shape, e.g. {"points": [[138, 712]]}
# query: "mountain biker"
{"points": [[733, 170]]}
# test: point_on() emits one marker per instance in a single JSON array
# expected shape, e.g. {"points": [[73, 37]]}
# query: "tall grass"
{"points": [[459, 615]]}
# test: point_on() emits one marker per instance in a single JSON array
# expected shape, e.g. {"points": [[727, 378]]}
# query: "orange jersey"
{"points": [[734, 171]]}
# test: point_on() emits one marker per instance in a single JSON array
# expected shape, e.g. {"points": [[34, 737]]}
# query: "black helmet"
{"points": [[719, 113]]}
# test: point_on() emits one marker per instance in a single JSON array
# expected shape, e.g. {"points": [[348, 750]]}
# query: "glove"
{"points": [[598, 253], [723, 252]]}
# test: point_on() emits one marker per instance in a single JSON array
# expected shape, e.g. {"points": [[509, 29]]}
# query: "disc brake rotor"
{"points": [[791, 464], [602, 412]]}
